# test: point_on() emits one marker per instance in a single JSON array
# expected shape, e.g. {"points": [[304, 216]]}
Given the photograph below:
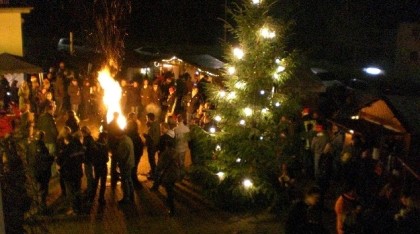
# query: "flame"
{"points": [[112, 96]]}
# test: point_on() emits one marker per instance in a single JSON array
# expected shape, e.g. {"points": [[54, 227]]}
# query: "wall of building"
{"points": [[11, 33]]}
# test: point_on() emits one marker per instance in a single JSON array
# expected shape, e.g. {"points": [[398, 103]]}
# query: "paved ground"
{"points": [[148, 213]]}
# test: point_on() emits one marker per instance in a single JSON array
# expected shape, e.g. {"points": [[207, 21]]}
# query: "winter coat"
{"points": [[39, 159], [168, 168], [74, 92], [145, 95], [23, 94], [133, 96], [71, 159], [47, 124], [153, 134], [90, 148], [100, 158], [125, 154], [182, 137]]}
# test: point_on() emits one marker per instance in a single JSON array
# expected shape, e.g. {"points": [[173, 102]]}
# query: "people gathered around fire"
{"points": [[52, 121]]}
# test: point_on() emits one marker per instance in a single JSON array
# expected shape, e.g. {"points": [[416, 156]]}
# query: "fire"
{"points": [[112, 96]]}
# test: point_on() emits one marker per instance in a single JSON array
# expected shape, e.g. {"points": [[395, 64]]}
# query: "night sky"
{"points": [[320, 25]]}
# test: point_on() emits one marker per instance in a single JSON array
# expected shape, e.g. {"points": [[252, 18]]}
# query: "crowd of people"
{"points": [[160, 112], [48, 119], [368, 196]]}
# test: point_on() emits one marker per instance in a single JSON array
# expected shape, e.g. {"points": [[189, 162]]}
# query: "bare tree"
{"points": [[110, 19]]}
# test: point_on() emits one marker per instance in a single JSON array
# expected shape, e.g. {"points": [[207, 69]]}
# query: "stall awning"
{"points": [[10, 64]]}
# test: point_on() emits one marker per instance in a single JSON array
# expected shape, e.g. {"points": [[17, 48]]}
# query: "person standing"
{"points": [[46, 123], [70, 162], [40, 162], [132, 131], [75, 96], [113, 130], [168, 173], [152, 140], [318, 145], [145, 95], [305, 217], [191, 104], [133, 97], [90, 150], [182, 137], [166, 139], [23, 93], [72, 121], [125, 159], [99, 161]]}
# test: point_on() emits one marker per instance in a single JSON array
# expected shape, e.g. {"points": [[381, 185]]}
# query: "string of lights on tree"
{"points": [[249, 104]]}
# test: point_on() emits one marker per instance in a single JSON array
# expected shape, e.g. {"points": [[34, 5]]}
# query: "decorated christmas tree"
{"points": [[248, 135]]}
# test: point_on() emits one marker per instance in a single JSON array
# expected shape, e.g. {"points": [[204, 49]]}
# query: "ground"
{"points": [[148, 214]]}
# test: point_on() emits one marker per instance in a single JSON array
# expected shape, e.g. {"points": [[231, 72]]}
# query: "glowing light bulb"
{"points": [[222, 93], [238, 160], [248, 111], [262, 92], [247, 183], [218, 118], [242, 122], [212, 130], [256, 2], [278, 61], [373, 71], [280, 68], [238, 53], [231, 70], [277, 104], [221, 175], [218, 148], [240, 85], [267, 34], [231, 95], [265, 110], [351, 131], [261, 138]]}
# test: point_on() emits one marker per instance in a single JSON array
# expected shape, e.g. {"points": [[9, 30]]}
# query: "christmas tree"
{"points": [[249, 106]]}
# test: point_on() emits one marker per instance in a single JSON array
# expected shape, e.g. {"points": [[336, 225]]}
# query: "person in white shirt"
{"points": [[182, 138]]}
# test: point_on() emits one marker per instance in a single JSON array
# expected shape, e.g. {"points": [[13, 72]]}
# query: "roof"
{"points": [[10, 64], [407, 108], [358, 99], [204, 61]]}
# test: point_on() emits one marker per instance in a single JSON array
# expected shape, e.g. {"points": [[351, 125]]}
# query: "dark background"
{"points": [[342, 31]]}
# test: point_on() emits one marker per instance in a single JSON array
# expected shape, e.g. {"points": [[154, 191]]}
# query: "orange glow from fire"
{"points": [[112, 96]]}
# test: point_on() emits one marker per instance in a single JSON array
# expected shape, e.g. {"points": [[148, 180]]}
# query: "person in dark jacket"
{"points": [[125, 160], [113, 130], [90, 149], [40, 161], [46, 123], [166, 140], [133, 97], [168, 173], [132, 131], [70, 162], [75, 96], [305, 216], [99, 161], [72, 121], [152, 140]]}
